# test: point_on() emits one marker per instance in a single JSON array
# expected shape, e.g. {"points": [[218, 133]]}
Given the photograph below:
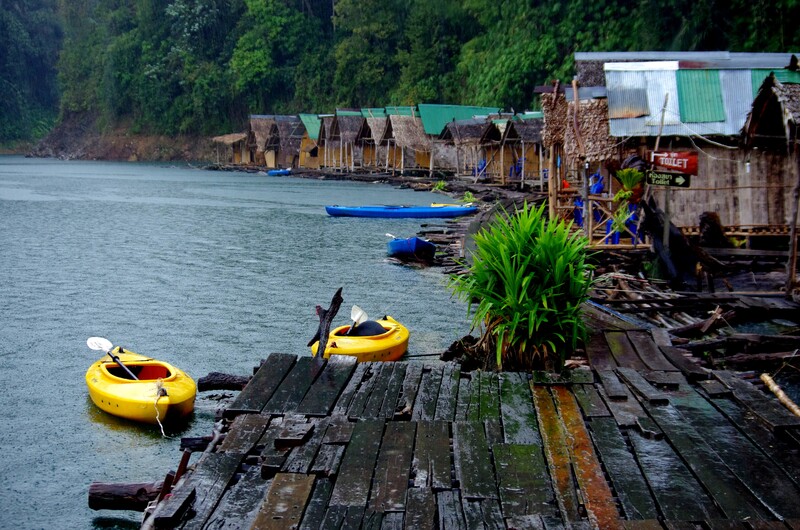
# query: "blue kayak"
{"points": [[411, 248], [400, 211], [279, 172]]}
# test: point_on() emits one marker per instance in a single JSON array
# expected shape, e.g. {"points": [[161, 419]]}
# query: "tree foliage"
{"points": [[200, 66], [30, 37]]}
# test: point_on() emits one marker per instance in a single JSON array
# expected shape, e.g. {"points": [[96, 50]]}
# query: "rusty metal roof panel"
{"points": [[626, 83]]}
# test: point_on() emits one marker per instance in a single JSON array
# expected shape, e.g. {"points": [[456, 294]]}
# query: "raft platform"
{"points": [[645, 439]]}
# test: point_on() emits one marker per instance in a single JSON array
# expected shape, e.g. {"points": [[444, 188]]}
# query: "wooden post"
{"points": [[791, 266], [666, 190], [502, 165]]}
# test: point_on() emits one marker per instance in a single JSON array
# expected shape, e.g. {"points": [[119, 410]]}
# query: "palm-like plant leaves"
{"points": [[527, 282]]}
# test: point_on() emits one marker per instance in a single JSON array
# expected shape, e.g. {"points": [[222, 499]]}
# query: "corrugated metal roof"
{"points": [[784, 76], [312, 124], [400, 111], [719, 59], [700, 96], [586, 92], [735, 90], [378, 112], [436, 117]]}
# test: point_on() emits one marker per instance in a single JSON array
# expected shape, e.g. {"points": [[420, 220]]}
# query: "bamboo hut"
{"points": [[329, 139], [311, 151], [369, 138], [260, 126], [700, 107], [523, 138], [443, 155], [290, 135], [347, 125], [770, 136], [407, 134], [466, 135], [236, 147], [491, 143]]}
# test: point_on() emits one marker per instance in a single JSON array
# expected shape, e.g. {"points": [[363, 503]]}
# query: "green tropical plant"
{"points": [[468, 197], [525, 288], [439, 186], [629, 178]]}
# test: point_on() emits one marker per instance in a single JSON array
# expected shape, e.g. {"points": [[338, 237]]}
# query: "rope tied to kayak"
{"points": [[160, 392]]}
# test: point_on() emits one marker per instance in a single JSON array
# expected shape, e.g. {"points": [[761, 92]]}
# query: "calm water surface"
{"points": [[210, 271]]}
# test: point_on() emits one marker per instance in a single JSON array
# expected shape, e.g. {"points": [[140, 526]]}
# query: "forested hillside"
{"points": [[201, 66]]}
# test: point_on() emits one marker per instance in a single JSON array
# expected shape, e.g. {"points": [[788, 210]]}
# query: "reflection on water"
{"points": [[209, 271]]}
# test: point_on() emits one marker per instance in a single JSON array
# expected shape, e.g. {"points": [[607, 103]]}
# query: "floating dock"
{"points": [[644, 439]]}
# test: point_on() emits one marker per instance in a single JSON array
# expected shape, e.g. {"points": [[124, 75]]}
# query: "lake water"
{"points": [[210, 271]]}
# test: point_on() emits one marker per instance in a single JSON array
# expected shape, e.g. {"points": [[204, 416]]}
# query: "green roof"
{"points": [[377, 112], [700, 96], [784, 76], [348, 112], [399, 111], [312, 124], [436, 117], [530, 115]]}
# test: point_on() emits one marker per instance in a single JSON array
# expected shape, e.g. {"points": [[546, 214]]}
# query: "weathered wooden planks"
{"points": [[211, 477], [321, 397], [473, 464], [624, 472], [596, 493], [555, 442], [284, 503], [517, 411], [432, 461], [775, 415], [293, 388], [372, 449], [355, 473], [523, 481], [393, 468], [263, 384]]}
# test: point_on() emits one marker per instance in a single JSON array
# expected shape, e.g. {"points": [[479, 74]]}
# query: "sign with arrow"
{"points": [[665, 178], [679, 161]]}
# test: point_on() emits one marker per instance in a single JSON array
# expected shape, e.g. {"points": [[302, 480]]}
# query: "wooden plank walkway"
{"points": [[646, 439]]}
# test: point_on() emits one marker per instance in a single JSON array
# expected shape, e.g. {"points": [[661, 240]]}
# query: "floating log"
{"points": [[220, 381], [123, 496], [782, 397]]}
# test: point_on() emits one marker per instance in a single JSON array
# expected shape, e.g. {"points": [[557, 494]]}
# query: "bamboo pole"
{"points": [[782, 397]]}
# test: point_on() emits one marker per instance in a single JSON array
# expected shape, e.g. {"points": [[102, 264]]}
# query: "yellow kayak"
{"points": [[161, 393], [387, 346]]}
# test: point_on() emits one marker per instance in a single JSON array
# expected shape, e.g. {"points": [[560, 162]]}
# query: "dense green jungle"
{"points": [[199, 67]]}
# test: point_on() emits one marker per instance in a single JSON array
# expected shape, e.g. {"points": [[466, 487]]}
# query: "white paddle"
{"points": [[104, 345], [357, 315]]}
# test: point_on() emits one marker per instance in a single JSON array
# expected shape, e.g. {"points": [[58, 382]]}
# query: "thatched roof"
{"points": [[327, 129], [349, 126], [290, 133], [230, 139], [554, 106], [408, 132], [260, 126], [525, 130], [775, 113], [493, 132], [596, 144], [464, 132], [377, 126]]}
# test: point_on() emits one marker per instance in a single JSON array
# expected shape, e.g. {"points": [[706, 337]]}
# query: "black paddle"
{"points": [[104, 345]]}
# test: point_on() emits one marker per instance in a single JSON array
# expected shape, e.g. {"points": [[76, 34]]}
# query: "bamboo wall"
{"points": [[756, 198]]}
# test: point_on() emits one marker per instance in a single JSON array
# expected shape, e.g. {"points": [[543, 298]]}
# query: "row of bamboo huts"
{"points": [[449, 139], [735, 114]]}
